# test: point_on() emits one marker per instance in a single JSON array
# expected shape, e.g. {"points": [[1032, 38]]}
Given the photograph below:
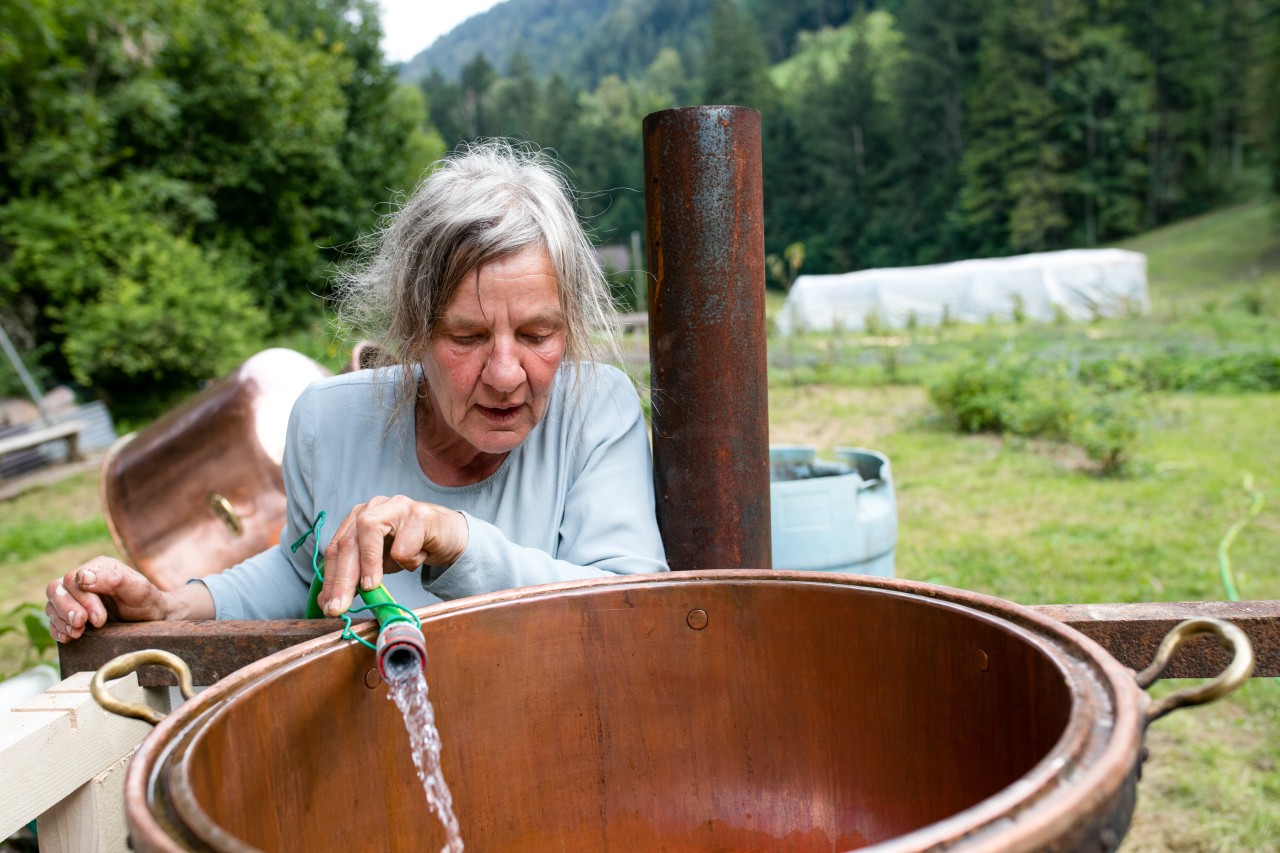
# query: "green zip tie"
{"points": [[403, 614]]}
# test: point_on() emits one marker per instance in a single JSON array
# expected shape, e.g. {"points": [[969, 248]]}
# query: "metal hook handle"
{"points": [[127, 663], [223, 510], [1237, 672]]}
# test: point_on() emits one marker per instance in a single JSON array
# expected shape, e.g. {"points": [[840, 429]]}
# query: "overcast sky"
{"points": [[410, 26]]}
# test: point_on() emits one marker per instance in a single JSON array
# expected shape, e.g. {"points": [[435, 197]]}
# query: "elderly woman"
{"points": [[498, 452]]}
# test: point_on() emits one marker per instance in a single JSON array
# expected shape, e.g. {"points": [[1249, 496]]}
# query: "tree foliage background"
{"points": [[176, 179], [906, 131]]}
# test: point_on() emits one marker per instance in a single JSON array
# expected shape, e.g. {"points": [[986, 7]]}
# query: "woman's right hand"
{"points": [[105, 590]]}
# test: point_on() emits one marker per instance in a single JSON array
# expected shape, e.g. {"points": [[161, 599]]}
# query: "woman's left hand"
{"points": [[387, 535]]}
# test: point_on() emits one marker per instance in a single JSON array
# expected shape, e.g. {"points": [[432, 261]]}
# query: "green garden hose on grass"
{"points": [[1224, 546]]}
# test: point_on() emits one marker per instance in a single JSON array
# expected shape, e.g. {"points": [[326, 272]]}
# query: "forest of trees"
{"points": [[178, 179], [175, 177], [927, 130]]}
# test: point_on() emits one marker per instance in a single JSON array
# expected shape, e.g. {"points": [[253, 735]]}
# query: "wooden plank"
{"points": [[92, 819], [44, 435], [55, 743]]}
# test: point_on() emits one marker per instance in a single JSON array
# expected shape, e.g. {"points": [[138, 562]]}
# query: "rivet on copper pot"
{"points": [[983, 661], [372, 679], [697, 619]]}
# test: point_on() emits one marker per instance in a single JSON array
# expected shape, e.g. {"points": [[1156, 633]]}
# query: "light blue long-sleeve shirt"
{"points": [[574, 500]]}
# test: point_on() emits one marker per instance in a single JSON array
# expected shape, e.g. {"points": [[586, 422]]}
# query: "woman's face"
{"points": [[494, 353]]}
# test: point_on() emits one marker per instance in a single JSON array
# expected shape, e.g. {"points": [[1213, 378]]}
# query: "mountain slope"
{"points": [[548, 32], [586, 40]]}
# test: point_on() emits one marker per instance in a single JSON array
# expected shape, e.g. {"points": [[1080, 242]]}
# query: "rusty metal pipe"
{"points": [[704, 216]]}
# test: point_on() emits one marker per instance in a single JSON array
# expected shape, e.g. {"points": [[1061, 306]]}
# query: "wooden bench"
{"points": [[68, 431]]}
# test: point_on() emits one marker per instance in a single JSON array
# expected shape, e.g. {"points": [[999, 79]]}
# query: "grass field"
{"points": [[1029, 520], [1025, 523], [1021, 519]]}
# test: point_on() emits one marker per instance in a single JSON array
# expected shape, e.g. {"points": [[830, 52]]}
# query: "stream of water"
{"points": [[409, 692]]}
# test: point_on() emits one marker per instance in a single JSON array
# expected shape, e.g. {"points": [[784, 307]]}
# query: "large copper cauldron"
{"points": [[760, 711], [201, 489]]}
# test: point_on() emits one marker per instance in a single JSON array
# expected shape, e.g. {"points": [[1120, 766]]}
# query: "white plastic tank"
{"points": [[832, 516], [30, 684]]}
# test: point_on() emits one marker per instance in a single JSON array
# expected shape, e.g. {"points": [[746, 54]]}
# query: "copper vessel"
{"points": [[200, 489], [745, 710]]}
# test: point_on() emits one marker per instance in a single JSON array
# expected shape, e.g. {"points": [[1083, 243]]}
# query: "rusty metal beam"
{"points": [[1129, 632], [704, 217], [213, 650], [1132, 632]]}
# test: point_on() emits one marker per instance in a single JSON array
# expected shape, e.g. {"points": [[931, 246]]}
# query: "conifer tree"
{"points": [[940, 41], [515, 99], [852, 151], [1266, 117], [444, 106], [1236, 53], [557, 114], [1105, 107], [1015, 180], [477, 79], [736, 69], [1174, 35]]}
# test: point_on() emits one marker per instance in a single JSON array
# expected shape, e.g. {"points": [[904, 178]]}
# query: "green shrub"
{"points": [[1018, 311], [29, 622], [1254, 302], [1180, 369], [1044, 400], [1107, 430], [891, 365], [975, 395], [171, 311], [874, 325], [130, 303]]}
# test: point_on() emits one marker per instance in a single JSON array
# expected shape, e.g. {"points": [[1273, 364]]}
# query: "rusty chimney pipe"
{"points": [[704, 216]]}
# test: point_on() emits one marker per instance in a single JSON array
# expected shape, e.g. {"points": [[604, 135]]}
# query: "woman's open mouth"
{"points": [[500, 414]]}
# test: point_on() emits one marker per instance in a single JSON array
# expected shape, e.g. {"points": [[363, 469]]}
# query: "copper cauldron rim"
{"points": [[1027, 815]]}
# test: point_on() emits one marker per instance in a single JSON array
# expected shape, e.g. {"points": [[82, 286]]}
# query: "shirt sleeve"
{"points": [[275, 583], [608, 526]]}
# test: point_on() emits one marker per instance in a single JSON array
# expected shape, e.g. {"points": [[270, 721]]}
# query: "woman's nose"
{"points": [[502, 370]]}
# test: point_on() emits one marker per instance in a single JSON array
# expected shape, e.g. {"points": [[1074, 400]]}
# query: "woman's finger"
{"points": [[385, 535], [74, 607], [123, 593], [408, 548], [101, 581], [57, 627], [341, 566], [61, 630], [375, 530], [357, 556]]}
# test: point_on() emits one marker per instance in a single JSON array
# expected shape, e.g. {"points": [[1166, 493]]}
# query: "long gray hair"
{"points": [[483, 202]]}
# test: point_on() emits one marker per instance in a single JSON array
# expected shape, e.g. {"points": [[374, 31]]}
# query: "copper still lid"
{"points": [[201, 489]]}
